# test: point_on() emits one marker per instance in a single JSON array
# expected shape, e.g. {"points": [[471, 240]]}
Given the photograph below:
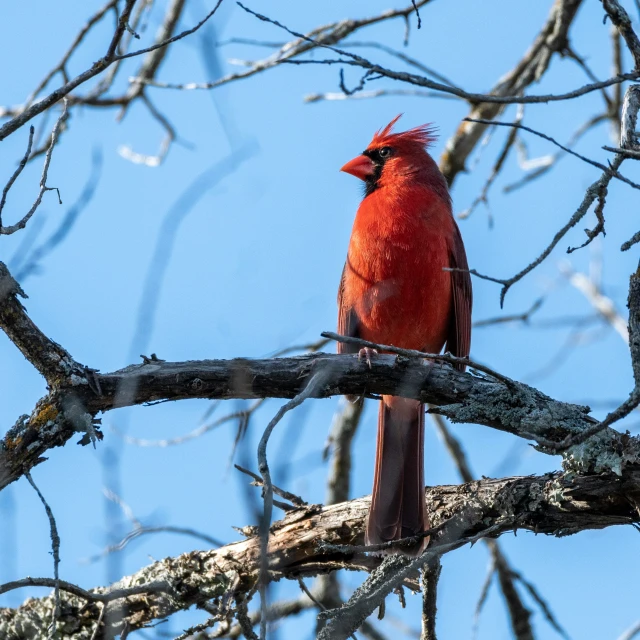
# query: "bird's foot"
{"points": [[368, 354]]}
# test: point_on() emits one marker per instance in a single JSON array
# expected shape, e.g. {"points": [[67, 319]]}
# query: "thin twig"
{"points": [[97, 630], [156, 160], [43, 179], [631, 632], [61, 66], [287, 495], [413, 2], [621, 19], [55, 547], [482, 599], [16, 173], [375, 93], [542, 603], [497, 167], [315, 382], [242, 616], [515, 317], [541, 166], [597, 299], [400, 543], [143, 531], [196, 433], [595, 191], [29, 263], [355, 60], [93, 596], [594, 163], [313, 347], [635, 238], [627, 153], [343, 430]]}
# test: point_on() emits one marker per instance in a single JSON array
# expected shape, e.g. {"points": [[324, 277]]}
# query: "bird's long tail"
{"points": [[398, 502]]}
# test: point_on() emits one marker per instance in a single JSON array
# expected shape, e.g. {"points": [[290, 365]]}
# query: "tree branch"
{"points": [[463, 397], [621, 20], [52, 361], [553, 504]]}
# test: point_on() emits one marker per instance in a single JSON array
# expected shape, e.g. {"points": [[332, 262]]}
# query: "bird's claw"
{"points": [[367, 353]]}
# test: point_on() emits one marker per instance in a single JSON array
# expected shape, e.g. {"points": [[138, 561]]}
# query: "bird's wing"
{"points": [[348, 324], [459, 335]]}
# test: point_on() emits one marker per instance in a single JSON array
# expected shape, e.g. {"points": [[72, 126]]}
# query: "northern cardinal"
{"points": [[395, 290]]}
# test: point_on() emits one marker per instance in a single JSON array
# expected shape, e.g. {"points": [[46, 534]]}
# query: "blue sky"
{"points": [[254, 267]]}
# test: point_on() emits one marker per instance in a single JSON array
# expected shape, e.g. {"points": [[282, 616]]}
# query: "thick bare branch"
{"points": [[622, 21], [54, 363], [552, 504], [508, 406], [78, 394]]}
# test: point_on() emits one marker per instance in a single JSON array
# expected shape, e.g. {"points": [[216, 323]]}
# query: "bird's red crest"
{"points": [[423, 135]]}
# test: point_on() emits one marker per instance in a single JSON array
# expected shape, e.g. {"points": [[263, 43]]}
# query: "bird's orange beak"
{"points": [[360, 167]]}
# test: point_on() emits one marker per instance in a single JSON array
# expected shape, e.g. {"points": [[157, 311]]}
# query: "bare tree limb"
{"points": [[371, 68], [78, 394], [519, 614], [552, 504], [621, 20], [53, 362]]}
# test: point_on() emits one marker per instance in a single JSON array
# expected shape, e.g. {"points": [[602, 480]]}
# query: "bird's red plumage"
{"points": [[395, 290]]}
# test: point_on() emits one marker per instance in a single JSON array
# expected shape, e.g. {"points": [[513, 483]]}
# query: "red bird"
{"points": [[395, 290]]}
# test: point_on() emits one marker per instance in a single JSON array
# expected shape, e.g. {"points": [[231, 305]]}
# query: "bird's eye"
{"points": [[385, 152]]}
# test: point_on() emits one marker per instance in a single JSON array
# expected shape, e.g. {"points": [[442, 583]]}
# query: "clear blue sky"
{"points": [[254, 267]]}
